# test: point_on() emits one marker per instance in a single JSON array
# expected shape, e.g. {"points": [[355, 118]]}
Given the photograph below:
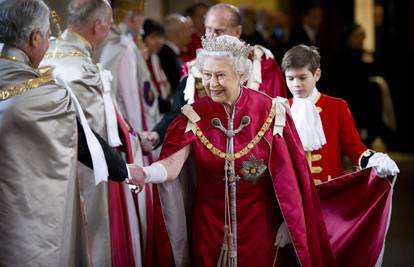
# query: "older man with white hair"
{"points": [[38, 164], [109, 213]]}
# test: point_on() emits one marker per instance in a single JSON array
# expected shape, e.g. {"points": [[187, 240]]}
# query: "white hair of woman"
{"points": [[229, 48], [19, 18]]}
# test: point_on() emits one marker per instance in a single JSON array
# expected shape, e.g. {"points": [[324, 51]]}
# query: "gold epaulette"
{"points": [[18, 89]]}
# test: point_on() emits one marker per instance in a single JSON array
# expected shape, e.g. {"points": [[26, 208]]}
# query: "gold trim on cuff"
{"points": [[366, 153]]}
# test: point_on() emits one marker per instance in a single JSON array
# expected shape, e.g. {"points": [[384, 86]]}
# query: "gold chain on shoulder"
{"points": [[25, 86], [62, 54], [246, 149], [7, 57], [59, 54]]}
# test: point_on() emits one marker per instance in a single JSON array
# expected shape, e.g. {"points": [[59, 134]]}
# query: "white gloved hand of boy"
{"points": [[383, 165], [283, 236]]}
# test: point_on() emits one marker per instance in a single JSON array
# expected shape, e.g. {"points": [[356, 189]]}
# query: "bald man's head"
{"points": [[223, 19], [90, 18], [178, 29]]}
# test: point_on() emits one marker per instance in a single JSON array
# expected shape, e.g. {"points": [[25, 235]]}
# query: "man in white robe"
{"points": [[71, 56]]}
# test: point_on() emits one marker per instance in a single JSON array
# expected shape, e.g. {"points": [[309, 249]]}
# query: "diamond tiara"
{"points": [[226, 43]]}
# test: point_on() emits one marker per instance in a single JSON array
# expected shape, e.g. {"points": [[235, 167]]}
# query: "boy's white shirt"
{"points": [[308, 121]]}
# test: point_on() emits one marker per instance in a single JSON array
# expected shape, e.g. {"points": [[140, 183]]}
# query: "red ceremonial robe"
{"points": [[357, 226], [122, 245], [286, 187], [273, 81]]}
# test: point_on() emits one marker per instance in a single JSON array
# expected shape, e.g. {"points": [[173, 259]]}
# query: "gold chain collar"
{"points": [[246, 149]]}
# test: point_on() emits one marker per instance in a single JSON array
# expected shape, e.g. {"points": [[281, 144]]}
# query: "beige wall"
{"points": [[154, 9], [60, 7], [174, 6], [256, 4], [364, 15]]}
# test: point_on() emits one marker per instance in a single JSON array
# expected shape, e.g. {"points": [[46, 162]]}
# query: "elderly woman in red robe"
{"points": [[249, 199]]}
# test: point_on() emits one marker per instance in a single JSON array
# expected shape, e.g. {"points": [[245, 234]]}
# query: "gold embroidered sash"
{"points": [[62, 54], [20, 88], [2, 56]]}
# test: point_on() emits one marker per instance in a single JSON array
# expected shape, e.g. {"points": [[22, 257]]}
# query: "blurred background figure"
{"points": [[274, 28], [363, 87], [250, 34], [122, 54], [153, 37], [381, 40], [308, 32], [177, 37], [196, 12]]}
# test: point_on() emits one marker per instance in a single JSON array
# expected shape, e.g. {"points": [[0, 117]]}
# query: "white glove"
{"points": [[383, 165], [283, 236], [155, 173]]}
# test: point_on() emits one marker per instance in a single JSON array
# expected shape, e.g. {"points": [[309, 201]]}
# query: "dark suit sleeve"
{"points": [[171, 65], [299, 36], [116, 165], [178, 103]]}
